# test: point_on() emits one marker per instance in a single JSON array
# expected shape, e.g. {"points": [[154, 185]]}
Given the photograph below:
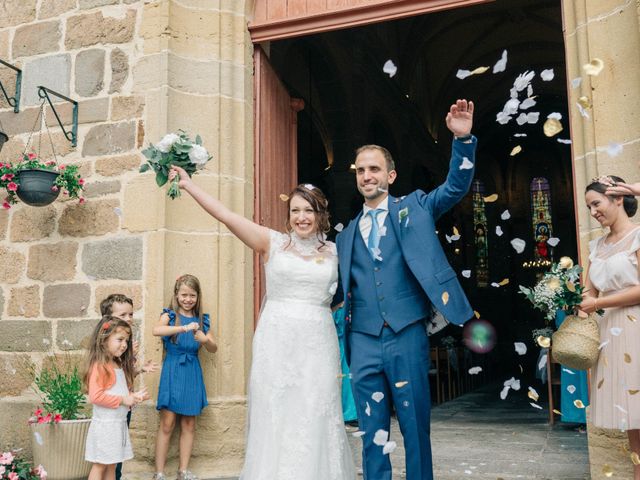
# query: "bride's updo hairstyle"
{"points": [[319, 204], [600, 185]]}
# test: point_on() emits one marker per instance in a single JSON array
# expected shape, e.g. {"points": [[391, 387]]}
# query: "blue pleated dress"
{"points": [[181, 387]]}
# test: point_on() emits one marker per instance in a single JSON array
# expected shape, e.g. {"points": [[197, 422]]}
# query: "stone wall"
{"points": [[608, 30], [138, 69]]}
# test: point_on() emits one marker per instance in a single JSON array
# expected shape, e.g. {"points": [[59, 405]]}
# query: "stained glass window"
{"points": [[480, 235], [541, 217]]}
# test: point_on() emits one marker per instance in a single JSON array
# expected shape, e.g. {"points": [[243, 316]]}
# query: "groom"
{"points": [[393, 268]]}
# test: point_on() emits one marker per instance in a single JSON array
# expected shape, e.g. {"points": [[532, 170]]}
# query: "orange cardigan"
{"points": [[99, 383]]}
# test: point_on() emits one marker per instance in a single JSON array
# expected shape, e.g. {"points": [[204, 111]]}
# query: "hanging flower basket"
{"points": [[3, 139], [37, 186], [39, 183]]}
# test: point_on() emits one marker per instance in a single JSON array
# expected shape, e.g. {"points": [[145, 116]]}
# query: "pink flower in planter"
{"points": [[62, 167], [6, 458], [47, 419], [31, 156], [13, 476], [57, 417], [41, 420], [6, 205], [54, 188], [81, 181], [50, 162], [81, 200], [12, 186], [7, 176], [42, 472], [38, 412], [2, 470]]}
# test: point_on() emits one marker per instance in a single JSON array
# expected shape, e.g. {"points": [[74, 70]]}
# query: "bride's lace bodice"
{"points": [[301, 270]]}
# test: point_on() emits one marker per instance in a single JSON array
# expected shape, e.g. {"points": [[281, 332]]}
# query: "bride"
{"points": [[295, 429]]}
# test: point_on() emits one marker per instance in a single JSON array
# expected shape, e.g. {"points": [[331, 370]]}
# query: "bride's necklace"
{"points": [[306, 246]]}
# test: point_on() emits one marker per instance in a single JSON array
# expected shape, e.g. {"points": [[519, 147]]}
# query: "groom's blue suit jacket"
{"points": [[413, 221]]}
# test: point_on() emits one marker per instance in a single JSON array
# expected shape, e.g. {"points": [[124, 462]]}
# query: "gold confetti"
{"points": [[552, 127], [491, 198], [635, 458], [627, 358], [503, 282], [445, 298], [455, 231], [593, 68], [533, 395], [521, 369], [632, 318], [401, 384], [600, 383], [578, 403], [607, 471], [284, 197], [479, 70], [633, 392], [544, 342], [319, 260], [516, 150], [584, 102], [477, 314], [605, 360], [557, 412], [571, 286]]}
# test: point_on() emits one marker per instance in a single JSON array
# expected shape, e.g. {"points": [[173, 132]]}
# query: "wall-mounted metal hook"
{"points": [[15, 100], [72, 136]]}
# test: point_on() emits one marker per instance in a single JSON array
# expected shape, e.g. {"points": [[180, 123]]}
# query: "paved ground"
{"points": [[479, 436]]}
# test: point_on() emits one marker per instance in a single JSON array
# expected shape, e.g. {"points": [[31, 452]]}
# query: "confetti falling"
{"points": [[491, 198], [521, 348], [584, 102], [632, 318], [544, 342], [505, 215], [501, 64], [566, 141], [499, 231], [547, 75], [466, 164], [475, 370], [594, 67], [401, 384], [389, 447], [553, 241], [381, 437], [367, 410], [533, 394], [578, 403], [339, 227], [607, 471], [518, 244], [571, 389], [284, 197], [614, 149], [466, 273], [542, 362], [627, 358], [389, 68], [377, 397], [358, 434], [552, 127], [570, 372], [615, 331], [535, 405], [445, 298]]}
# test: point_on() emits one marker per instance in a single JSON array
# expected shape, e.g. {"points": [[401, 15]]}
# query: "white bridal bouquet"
{"points": [[175, 149]]}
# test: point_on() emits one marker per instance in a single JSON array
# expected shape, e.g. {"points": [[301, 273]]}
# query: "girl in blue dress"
{"points": [[181, 394]]}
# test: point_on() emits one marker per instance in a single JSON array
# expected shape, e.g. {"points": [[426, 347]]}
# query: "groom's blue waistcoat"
{"points": [[386, 290]]}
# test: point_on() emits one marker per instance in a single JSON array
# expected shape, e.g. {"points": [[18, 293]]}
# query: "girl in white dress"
{"points": [[109, 380], [295, 429], [613, 284]]}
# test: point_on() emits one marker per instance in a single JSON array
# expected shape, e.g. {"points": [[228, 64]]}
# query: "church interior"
{"points": [[523, 187]]}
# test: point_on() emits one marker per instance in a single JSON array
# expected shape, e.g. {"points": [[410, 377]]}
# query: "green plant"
{"points": [[61, 394], [68, 180], [15, 467]]}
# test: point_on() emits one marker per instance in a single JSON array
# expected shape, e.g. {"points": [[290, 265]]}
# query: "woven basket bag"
{"points": [[575, 344]]}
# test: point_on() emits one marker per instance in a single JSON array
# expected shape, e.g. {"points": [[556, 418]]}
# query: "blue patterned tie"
{"points": [[374, 236]]}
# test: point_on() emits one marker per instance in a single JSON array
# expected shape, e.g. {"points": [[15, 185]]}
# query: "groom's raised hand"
{"points": [[460, 118]]}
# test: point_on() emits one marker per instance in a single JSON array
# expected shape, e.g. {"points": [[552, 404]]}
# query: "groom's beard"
{"points": [[379, 192]]}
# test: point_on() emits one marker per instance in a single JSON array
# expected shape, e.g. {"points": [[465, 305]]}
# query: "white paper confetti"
{"points": [[381, 437], [571, 389], [466, 164], [358, 434], [543, 362], [520, 347], [505, 215], [309, 186], [603, 344], [529, 91], [523, 80], [475, 370], [614, 149], [376, 253], [522, 119], [382, 232], [38, 438], [118, 211], [553, 241], [389, 68], [616, 331], [620, 408], [499, 231], [547, 75], [566, 141], [367, 410], [519, 134], [377, 397], [504, 393], [389, 447], [527, 103], [518, 244], [535, 405], [555, 115], [447, 237], [570, 372], [576, 82], [333, 288], [503, 118], [583, 111], [511, 107], [533, 117], [495, 284], [466, 273], [462, 74], [501, 64]]}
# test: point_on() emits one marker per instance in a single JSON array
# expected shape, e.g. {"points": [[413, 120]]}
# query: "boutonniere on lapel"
{"points": [[403, 214]]}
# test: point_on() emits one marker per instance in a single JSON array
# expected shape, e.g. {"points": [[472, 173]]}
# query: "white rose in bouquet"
{"points": [[198, 155], [167, 142]]}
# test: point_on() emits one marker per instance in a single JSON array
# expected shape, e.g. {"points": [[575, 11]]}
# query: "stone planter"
{"points": [[36, 187], [59, 448]]}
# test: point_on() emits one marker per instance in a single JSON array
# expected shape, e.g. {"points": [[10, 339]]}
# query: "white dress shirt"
{"points": [[365, 220]]}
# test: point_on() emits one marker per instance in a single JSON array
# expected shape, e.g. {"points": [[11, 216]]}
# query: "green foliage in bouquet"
{"points": [[559, 289], [175, 149]]}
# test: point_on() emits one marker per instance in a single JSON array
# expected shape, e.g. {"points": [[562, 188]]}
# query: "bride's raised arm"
{"points": [[253, 235]]}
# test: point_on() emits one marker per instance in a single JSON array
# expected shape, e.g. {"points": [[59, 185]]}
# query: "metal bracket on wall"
{"points": [[72, 136], [15, 100]]}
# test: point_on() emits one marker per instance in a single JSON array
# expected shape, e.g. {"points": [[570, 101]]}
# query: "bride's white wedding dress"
{"points": [[295, 429]]}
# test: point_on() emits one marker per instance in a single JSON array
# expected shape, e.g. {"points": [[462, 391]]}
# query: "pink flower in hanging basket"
{"points": [[12, 187], [62, 167], [31, 155]]}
